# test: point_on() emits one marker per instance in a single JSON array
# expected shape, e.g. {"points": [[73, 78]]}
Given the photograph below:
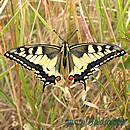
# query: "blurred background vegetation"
{"points": [[22, 103]]}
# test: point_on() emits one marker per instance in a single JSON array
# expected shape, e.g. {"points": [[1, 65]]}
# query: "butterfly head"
{"points": [[65, 43]]}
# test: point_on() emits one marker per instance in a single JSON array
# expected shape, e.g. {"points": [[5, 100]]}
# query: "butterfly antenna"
{"points": [[72, 35], [58, 35]]}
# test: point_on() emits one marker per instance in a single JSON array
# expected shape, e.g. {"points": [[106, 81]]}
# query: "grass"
{"points": [[107, 98]]}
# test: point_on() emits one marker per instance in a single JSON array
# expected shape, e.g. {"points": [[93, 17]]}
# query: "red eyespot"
{"points": [[71, 77], [58, 78]]}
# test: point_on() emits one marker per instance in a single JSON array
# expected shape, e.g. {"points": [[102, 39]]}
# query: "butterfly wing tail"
{"points": [[43, 86], [84, 85]]}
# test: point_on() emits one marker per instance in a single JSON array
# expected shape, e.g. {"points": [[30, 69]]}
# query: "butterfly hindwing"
{"points": [[42, 59], [88, 57]]}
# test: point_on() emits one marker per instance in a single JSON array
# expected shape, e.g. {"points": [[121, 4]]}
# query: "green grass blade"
{"points": [[99, 18], [4, 96], [107, 92], [12, 19], [122, 16], [40, 17], [26, 89], [90, 21]]}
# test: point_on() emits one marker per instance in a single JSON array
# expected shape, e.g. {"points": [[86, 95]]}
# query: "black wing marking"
{"points": [[44, 60], [88, 57]]}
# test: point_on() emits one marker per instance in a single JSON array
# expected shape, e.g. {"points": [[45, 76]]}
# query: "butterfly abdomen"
{"points": [[65, 54], [64, 62]]}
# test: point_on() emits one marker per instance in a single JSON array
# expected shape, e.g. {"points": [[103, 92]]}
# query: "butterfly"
{"points": [[82, 59]]}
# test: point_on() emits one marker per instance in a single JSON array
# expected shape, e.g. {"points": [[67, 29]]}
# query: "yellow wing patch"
{"points": [[39, 51], [77, 62], [36, 61], [52, 72], [91, 49], [87, 58], [33, 58], [52, 63], [92, 57], [29, 56], [44, 60], [76, 70]]}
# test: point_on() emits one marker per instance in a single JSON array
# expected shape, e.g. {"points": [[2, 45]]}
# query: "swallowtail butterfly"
{"points": [[82, 59]]}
